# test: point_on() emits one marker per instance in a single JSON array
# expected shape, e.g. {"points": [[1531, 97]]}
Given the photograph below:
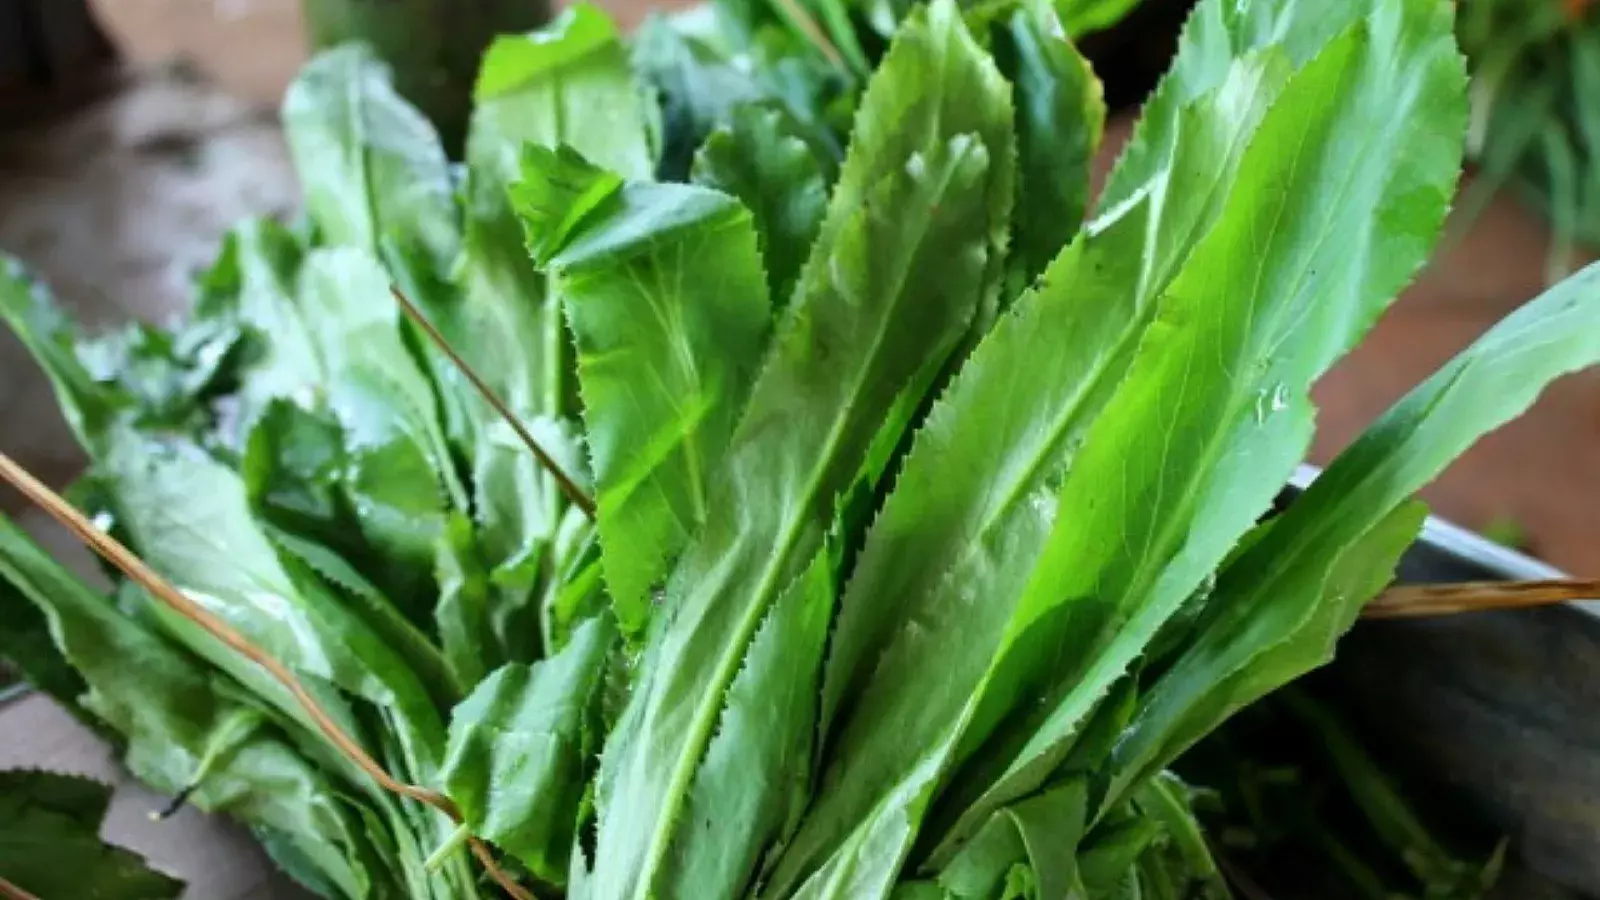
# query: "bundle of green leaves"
{"points": [[927, 519], [50, 842]]}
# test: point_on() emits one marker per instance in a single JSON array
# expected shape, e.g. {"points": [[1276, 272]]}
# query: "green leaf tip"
{"points": [[558, 191]]}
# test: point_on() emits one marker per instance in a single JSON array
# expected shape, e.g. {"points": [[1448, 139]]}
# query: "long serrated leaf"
{"points": [[761, 158], [665, 295], [1016, 416], [1269, 631], [1488, 384], [765, 733], [516, 763], [568, 83], [1333, 212], [912, 245]]}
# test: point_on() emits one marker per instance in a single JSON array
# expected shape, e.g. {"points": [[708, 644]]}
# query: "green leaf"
{"points": [[1040, 832], [668, 308], [1271, 628], [913, 241], [326, 578], [979, 489], [1081, 17], [568, 83], [173, 714], [761, 158], [189, 518], [30, 312], [27, 648], [256, 281], [50, 842], [516, 763], [373, 170], [293, 469], [1213, 414], [1060, 116], [1361, 498], [466, 631], [703, 75], [756, 773], [399, 472]]}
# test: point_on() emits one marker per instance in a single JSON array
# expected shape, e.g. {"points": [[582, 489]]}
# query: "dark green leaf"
{"points": [[1060, 115], [50, 842], [182, 728], [761, 158]]}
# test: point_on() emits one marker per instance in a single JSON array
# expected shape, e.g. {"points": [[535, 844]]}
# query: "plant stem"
{"points": [[569, 487], [1416, 601], [451, 844]]}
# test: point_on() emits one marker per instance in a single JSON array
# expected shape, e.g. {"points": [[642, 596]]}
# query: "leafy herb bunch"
{"points": [[890, 530]]}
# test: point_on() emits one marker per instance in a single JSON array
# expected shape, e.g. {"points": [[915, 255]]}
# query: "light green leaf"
{"points": [[668, 308], [913, 243], [50, 842], [761, 158], [756, 774], [293, 469], [1340, 196], [978, 492], [517, 764], [189, 518], [1081, 17], [466, 633], [373, 170], [255, 280], [399, 472], [568, 83]]}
